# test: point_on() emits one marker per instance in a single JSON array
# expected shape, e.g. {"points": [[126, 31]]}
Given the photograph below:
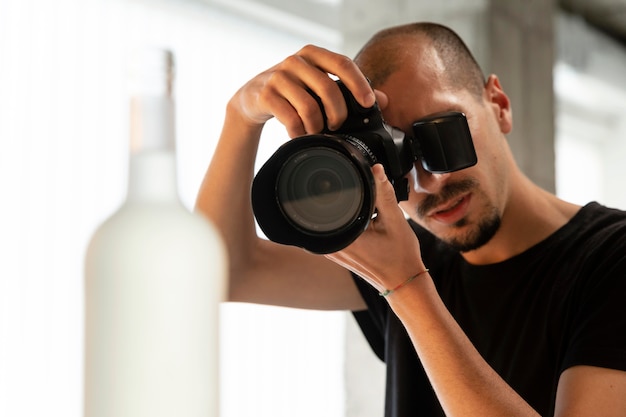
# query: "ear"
{"points": [[500, 103]]}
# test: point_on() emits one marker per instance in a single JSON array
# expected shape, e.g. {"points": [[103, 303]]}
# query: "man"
{"points": [[520, 312]]}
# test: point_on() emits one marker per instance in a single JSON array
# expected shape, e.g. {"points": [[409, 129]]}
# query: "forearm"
{"points": [[464, 383], [224, 195]]}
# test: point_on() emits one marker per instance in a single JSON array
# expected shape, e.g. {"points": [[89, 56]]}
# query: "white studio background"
{"points": [[590, 145], [590, 98], [63, 168]]}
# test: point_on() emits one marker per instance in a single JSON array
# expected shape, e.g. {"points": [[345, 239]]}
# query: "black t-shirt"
{"points": [[559, 304]]}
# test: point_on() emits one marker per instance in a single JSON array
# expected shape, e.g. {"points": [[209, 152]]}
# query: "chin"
{"points": [[473, 237]]}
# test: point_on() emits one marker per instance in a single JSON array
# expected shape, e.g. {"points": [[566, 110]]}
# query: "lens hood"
{"points": [[316, 192]]}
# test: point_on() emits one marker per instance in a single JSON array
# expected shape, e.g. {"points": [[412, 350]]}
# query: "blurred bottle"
{"points": [[155, 275]]}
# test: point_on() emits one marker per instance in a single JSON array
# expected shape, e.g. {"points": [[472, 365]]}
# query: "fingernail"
{"points": [[380, 173]]}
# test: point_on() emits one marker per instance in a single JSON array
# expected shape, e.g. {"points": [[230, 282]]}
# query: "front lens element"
{"points": [[320, 190]]}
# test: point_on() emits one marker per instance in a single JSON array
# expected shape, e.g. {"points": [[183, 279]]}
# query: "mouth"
{"points": [[453, 211]]}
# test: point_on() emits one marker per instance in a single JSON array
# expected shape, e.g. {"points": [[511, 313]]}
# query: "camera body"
{"points": [[317, 191]]}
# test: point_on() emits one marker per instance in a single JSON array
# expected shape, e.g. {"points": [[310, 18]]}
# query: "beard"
{"points": [[477, 235]]}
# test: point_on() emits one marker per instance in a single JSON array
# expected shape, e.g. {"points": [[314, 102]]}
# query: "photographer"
{"points": [[508, 302]]}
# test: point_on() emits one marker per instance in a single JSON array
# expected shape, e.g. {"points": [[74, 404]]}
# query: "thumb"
{"points": [[386, 202]]}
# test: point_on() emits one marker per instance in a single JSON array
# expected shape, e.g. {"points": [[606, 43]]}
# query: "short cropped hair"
{"points": [[380, 56]]}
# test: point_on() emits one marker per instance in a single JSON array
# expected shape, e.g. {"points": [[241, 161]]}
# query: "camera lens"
{"points": [[316, 192], [320, 190]]}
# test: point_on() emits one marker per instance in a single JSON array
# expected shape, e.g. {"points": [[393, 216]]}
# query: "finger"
{"points": [[296, 79], [345, 69], [382, 99], [287, 115], [299, 93], [291, 82], [295, 108], [386, 201]]}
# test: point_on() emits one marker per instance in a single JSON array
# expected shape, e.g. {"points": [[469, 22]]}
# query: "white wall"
{"points": [[63, 130]]}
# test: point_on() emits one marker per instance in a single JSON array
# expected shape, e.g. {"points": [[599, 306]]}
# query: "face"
{"points": [[462, 208]]}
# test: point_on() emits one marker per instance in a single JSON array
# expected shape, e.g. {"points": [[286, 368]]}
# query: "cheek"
{"points": [[492, 173], [488, 146], [487, 137]]}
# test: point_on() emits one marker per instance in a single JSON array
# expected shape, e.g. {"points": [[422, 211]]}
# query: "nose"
{"points": [[423, 181]]}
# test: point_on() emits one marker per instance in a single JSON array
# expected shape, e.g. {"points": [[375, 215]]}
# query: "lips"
{"points": [[452, 212]]}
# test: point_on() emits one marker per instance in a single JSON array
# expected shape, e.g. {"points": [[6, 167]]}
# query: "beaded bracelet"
{"points": [[387, 292]]}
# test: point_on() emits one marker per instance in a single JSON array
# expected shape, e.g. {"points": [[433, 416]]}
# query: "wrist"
{"points": [[408, 281], [240, 107]]}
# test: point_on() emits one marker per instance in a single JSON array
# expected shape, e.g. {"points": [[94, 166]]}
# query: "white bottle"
{"points": [[155, 275]]}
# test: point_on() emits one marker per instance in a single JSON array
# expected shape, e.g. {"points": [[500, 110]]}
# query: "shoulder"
{"points": [[599, 218], [598, 232], [592, 285]]}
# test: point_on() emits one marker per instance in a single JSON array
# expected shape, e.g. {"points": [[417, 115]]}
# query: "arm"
{"points": [[261, 271], [464, 383], [586, 391]]}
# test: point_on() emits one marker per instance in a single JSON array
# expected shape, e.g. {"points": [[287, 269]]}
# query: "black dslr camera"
{"points": [[317, 191]]}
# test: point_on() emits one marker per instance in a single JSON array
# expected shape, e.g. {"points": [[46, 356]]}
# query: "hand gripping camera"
{"points": [[317, 191]]}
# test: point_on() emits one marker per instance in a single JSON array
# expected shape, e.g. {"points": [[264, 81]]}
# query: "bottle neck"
{"points": [[152, 123], [152, 173], [152, 177]]}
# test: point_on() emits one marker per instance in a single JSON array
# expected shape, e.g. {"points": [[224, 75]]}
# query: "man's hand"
{"points": [[281, 91], [388, 252]]}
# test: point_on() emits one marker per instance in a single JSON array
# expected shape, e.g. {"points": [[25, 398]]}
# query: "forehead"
{"points": [[419, 89], [410, 71]]}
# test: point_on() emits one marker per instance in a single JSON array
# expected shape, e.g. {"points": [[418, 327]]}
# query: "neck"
{"points": [[530, 216]]}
